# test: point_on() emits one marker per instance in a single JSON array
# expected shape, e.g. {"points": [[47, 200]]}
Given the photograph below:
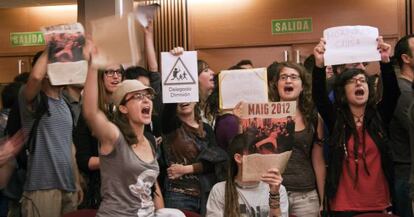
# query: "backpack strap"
{"points": [[42, 108]]}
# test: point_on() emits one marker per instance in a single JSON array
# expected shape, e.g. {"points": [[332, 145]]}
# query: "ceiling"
{"points": [[27, 3], [30, 3]]}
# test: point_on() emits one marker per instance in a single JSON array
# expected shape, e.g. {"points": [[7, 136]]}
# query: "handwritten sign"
{"points": [[248, 85], [351, 44], [179, 77]]}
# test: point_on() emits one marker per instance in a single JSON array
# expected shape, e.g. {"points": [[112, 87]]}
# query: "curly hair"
{"points": [[305, 102]]}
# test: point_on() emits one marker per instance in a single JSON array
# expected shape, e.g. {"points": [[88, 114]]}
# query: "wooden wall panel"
{"points": [[9, 67], [220, 59], [30, 19], [170, 24], [27, 19], [242, 23]]}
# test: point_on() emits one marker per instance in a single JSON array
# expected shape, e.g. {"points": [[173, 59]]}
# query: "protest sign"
{"points": [[145, 13], [351, 44], [116, 41], [179, 77], [65, 52], [274, 127], [248, 85], [255, 165]]}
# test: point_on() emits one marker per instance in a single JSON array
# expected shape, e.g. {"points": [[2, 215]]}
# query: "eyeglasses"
{"points": [[111, 73], [293, 77], [140, 97], [361, 80]]}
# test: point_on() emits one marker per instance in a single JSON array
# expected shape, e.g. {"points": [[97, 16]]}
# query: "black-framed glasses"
{"points": [[293, 77], [361, 80], [111, 73], [140, 97]]}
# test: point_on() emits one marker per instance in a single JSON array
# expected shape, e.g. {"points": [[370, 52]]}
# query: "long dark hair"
{"points": [[305, 102], [344, 127], [241, 144]]}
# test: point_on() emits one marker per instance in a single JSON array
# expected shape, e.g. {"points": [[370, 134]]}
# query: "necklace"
{"points": [[359, 120]]}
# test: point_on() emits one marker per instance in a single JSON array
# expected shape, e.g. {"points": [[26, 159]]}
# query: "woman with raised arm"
{"points": [[359, 166], [128, 165]]}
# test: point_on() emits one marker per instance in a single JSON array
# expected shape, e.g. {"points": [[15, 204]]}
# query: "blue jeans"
{"points": [[182, 201], [402, 201], [4, 205]]}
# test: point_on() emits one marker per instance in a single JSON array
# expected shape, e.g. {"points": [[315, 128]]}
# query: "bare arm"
{"points": [[318, 162], [6, 170], [158, 198], [93, 163], [149, 47], [34, 82], [104, 130]]}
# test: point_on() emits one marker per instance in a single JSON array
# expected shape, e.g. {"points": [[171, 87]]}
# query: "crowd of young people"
{"points": [[139, 157]]}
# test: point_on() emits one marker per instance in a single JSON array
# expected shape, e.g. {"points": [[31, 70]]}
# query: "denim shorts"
{"points": [[182, 201]]}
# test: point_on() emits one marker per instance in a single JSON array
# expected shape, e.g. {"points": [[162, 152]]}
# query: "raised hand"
{"points": [[177, 51], [384, 49], [319, 51]]}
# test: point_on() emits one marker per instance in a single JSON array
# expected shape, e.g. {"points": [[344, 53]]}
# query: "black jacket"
{"points": [[375, 122]]}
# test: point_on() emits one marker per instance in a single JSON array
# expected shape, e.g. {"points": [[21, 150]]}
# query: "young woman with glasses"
{"points": [[87, 145], [359, 163], [127, 156], [305, 172]]}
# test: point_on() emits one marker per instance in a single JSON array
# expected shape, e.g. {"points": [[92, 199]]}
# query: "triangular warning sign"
{"points": [[179, 74]]}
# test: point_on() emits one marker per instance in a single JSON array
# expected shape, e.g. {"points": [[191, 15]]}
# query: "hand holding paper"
{"points": [[256, 165], [384, 49], [273, 178], [319, 52], [146, 13]]}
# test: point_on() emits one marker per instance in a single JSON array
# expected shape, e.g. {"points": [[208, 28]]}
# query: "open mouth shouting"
{"points": [[288, 89]]}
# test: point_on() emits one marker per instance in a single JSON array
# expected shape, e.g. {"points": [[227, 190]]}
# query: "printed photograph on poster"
{"points": [[248, 85], [273, 124], [351, 44], [179, 77], [64, 46]]}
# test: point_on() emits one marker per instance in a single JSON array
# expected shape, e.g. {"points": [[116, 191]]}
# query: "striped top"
{"points": [[50, 165]]}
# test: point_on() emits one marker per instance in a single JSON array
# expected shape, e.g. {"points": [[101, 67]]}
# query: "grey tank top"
{"points": [[299, 174], [126, 182]]}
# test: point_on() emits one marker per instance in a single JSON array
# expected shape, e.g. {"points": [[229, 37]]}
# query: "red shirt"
{"points": [[371, 192]]}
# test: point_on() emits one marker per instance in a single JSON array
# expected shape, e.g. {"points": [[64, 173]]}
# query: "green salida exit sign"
{"points": [[26, 39], [294, 25]]}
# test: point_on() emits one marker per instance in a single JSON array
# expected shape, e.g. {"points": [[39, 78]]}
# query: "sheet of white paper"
{"points": [[351, 44], [179, 77], [145, 13], [248, 85], [67, 73]]}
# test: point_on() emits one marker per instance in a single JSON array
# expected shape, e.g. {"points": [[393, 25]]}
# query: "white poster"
{"points": [[179, 77], [66, 64], [145, 13], [248, 85], [351, 44]]}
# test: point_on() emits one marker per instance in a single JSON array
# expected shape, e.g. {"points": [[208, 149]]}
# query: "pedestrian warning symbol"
{"points": [[179, 74]]}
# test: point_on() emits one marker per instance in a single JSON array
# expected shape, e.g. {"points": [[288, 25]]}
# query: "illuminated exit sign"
{"points": [[26, 39], [294, 25]]}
